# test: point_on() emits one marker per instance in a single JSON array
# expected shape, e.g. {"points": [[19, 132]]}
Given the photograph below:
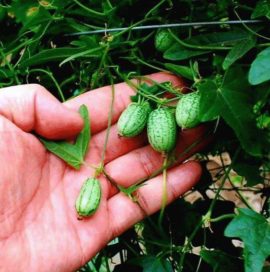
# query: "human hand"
{"points": [[39, 229]]}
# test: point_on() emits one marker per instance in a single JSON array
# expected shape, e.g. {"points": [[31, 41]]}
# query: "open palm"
{"points": [[39, 229]]}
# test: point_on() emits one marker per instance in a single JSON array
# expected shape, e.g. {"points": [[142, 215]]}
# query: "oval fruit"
{"points": [[163, 40], [161, 130], [133, 119], [89, 197], [187, 110]]}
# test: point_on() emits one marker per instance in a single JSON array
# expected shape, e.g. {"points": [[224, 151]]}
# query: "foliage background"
{"points": [[228, 64]]}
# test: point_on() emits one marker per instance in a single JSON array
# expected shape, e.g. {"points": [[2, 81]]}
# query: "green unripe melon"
{"points": [[89, 197], [161, 130], [133, 119], [187, 110], [163, 40]]}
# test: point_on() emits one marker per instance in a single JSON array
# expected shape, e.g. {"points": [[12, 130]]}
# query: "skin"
{"points": [[39, 229]]}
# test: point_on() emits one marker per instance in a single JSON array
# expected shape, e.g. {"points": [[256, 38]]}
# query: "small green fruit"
{"points": [[161, 130], [187, 110], [163, 40], [89, 197], [133, 119]]}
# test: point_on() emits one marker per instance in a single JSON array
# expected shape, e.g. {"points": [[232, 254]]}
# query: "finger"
{"points": [[99, 101], [32, 108], [124, 212], [143, 162]]}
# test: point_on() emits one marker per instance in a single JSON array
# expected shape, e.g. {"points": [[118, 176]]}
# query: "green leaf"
{"points": [[54, 54], [219, 38], [178, 52], [72, 154], [85, 42], [92, 52], [220, 261], [230, 98], [37, 21], [25, 11], [152, 263], [67, 152], [262, 9], [83, 139], [180, 70], [237, 110], [254, 230], [209, 108], [260, 68], [238, 51]]}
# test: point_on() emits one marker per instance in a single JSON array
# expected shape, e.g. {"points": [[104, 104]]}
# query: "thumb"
{"points": [[32, 108]]}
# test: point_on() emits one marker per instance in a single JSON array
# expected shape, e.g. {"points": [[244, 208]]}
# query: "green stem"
{"points": [[154, 8], [193, 145], [50, 75], [130, 248], [263, 45], [8, 84], [10, 67], [185, 248], [150, 65], [159, 244], [162, 86], [28, 41], [68, 80], [102, 61], [93, 266], [191, 6], [109, 4], [109, 121], [90, 11], [200, 47], [245, 7], [249, 29], [235, 188], [222, 217], [164, 191], [80, 54], [243, 199], [107, 263], [227, 172], [136, 24], [202, 247], [239, 189], [136, 87], [207, 216], [172, 162]]}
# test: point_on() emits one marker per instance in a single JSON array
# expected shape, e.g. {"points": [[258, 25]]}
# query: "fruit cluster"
{"points": [[162, 122], [161, 126]]}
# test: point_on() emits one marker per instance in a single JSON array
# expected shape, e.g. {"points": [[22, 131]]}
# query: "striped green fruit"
{"points": [[161, 130], [163, 40], [89, 197], [187, 110], [133, 119]]}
